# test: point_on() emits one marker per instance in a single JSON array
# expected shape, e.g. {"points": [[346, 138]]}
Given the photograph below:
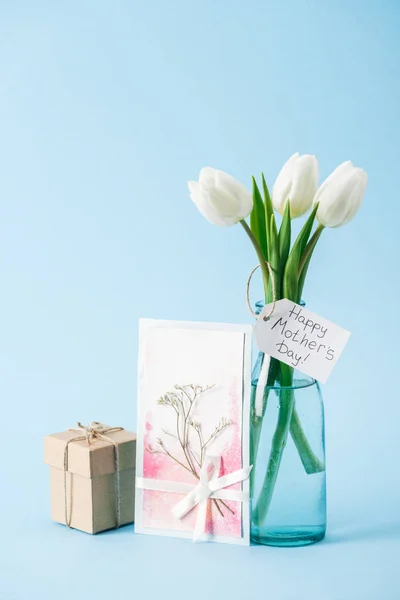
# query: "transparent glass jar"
{"points": [[288, 486]]}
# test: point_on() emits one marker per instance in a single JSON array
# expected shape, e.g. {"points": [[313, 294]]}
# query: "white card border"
{"points": [[247, 330]]}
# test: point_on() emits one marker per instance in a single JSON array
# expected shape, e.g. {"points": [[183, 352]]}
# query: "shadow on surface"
{"points": [[363, 532]]}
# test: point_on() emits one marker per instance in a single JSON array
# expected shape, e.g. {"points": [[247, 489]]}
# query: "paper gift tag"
{"points": [[300, 338]]}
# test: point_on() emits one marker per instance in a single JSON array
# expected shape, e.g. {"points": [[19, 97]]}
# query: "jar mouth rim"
{"points": [[259, 305], [302, 383]]}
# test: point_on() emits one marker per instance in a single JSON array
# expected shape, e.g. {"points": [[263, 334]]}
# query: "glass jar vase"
{"points": [[288, 487]]}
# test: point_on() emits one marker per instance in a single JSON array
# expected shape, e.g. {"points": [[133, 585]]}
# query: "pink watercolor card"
{"points": [[192, 469]]}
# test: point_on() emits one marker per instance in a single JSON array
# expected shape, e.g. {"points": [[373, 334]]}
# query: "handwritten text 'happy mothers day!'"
{"points": [[300, 338]]}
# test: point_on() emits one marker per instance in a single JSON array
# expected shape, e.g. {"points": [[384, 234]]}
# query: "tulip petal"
{"points": [[233, 188], [304, 185], [207, 176], [340, 195], [356, 196], [193, 186], [205, 207], [283, 183], [201, 200], [225, 205], [339, 174]]}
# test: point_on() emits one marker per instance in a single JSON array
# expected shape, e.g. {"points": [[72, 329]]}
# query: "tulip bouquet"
{"points": [[224, 201]]}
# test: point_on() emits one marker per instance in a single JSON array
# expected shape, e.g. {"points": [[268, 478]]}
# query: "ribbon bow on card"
{"points": [[210, 486]]}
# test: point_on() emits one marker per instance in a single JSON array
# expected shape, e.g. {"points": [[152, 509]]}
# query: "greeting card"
{"points": [[193, 420]]}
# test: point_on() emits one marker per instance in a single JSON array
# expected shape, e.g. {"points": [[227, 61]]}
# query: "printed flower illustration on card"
{"points": [[193, 449]]}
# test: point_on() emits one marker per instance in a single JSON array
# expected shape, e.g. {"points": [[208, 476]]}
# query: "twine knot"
{"points": [[94, 430]]}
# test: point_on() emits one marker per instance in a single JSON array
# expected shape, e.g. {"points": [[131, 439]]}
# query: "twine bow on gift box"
{"points": [[209, 486], [90, 433]]}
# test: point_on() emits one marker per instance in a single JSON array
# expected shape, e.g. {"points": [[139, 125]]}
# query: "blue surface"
{"points": [[108, 108]]}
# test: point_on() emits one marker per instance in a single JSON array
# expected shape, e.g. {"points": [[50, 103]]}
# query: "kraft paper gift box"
{"points": [[92, 477]]}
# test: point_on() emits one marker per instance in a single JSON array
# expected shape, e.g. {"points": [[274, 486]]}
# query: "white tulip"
{"points": [[220, 198], [340, 195], [296, 183]]}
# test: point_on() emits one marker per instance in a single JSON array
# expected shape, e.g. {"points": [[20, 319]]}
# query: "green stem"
{"points": [[311, 463], [277, 447], [288, 418], [310, 247], [255, 434], [260, 254], [257, 420]]}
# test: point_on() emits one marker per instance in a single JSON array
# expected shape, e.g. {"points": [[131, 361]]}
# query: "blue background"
{"points": [[107, 109]]}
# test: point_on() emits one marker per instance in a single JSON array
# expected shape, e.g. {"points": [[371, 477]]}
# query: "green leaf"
{"points": [[257, 220], [274, 259], [291, 274], [285, 236], [269, 211], [306, 258]]}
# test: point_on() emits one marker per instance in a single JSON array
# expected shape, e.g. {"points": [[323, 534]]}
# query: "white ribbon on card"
{"points": [[210, 486]]}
